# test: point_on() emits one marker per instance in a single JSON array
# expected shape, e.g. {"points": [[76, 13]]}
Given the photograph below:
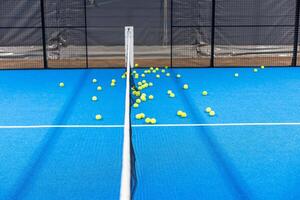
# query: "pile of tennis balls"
{"points": [[113, 83], [171, 94]]}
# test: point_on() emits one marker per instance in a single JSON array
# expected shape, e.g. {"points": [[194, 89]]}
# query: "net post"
{"points": [[125, 189], [43, 23]]}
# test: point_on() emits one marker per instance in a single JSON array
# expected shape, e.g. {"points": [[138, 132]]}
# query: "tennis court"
{"points": [[53, 148]]}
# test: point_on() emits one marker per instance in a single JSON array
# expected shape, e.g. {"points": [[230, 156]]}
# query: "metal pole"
{"points": [[171, 34], [44, 34], [212, 58], [86, 35], [296, 34]]}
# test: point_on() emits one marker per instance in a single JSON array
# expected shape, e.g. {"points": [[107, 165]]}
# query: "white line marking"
{"points": [[156, 125]]}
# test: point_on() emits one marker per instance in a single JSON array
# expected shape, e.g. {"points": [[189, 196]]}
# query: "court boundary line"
{"points": [[154, 125]]}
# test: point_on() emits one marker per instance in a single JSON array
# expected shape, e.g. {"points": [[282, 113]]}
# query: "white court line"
{"points": [[156, 125]]}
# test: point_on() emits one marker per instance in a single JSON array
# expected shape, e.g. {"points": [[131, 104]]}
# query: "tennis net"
{"points": [[128, 154]]}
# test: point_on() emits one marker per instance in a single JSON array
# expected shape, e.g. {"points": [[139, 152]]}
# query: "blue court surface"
{"points": [[52, 147]]}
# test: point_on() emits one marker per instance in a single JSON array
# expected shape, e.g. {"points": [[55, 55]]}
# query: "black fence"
{"points": [[220, 33], [181, 33]]}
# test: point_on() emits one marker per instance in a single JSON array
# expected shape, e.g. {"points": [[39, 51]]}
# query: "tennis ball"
{"points": [[183, 115], [169, 92], [185, 86], [112, 84], [144, 81], [151, 68], [94, 98], [143, 75], [166, 67], [142, 115], [236, 75], [163, 71], [146, 85], [94, 80], [179, 113], [208, 109], [148, 120], [153, 121], [178, 76], [151, 97], [212, 113], [138, 101], [136, 76], [255, 70], [113, 80], [156, 68], [157, 76], [98, 117], [204, 93], [172, 95], [123, 76], [150, 84], [135, 105], [143, 98], [167, 74], [99, 88], [138, 93], [154, 71], [262, 67], [61, 84], [136, 65], [138, 116]]}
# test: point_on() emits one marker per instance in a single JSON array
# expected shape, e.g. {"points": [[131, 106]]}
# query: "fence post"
{"points": [[296, 32], [86, 36], [44, 34], [171, 34], [213, 22]]}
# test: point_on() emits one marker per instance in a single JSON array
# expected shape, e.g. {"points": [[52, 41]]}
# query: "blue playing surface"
{"points": [[207, 158]]}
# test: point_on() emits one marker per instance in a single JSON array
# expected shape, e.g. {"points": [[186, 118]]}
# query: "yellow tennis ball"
{"points": [[146, 85], [169, 91], [179, 112], [208, 109], [143, 75], [135, 105], [236, 75], [112, 84], [94, 80], [185, 86], [178, 76], [156, 68], [255, 70], [163, 71], [94, 98], [99, 88], [136, 65], [150, 84], [123, 76], [167, 74], [138, 101], [212, 113], [113, 80], [172, 95], [138, 116], [142, 115], [144, 81], [151, 68], [138, 93], [166, 67], [183, 115], [136, 76], [157, 76], [262, 67], [61, 84], [98, 117], [140, 83], [153, 121], [148, 120], [204, 93], [151, 97]]}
